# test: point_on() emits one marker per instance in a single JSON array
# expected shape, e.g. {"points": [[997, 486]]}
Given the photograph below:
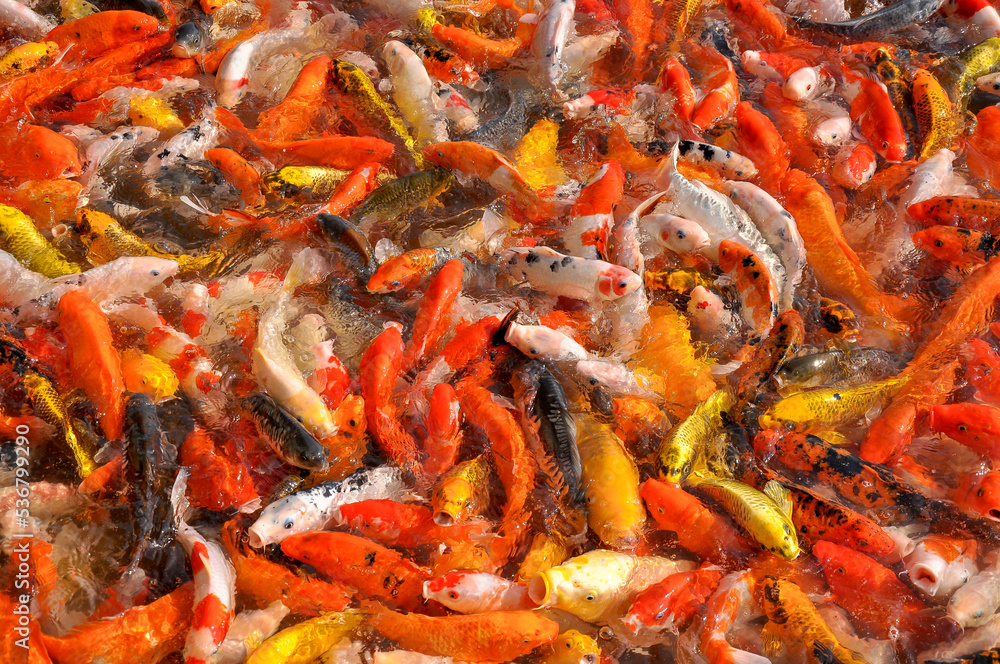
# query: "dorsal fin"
{"points": [[779, 493]]}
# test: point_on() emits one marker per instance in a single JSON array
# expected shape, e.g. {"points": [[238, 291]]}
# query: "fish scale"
{"points": [[934, 113]]}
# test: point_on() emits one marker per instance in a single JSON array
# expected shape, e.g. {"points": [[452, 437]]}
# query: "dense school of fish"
{"points": [[556, 331]]}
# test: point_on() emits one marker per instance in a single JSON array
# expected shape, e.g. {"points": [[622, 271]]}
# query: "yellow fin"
{"points": [[832, 437], [771, 640], [777, 492], [253, 641]]}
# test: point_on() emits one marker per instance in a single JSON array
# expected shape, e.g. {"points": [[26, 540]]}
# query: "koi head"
{"points": [[892, 148], [146, 374], [980, 494], [949, 243], [393, 275], [188, 40], [283, 518], [615, 282], [854, 166], [732, 254], [957, 421], [680, 235], [838, 319], [939, 565], [653, 611], [445, 155], [706, 307], [572, 647], [834, 131], [803, 84], [989, 84], [349, 417], [453, 501], [464, 590]]}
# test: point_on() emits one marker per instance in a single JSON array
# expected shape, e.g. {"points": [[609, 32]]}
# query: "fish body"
{"points": [[776, 224], [592, 215], [569, 276], [413, 93], [49, 406], [840, 367], [359, 87], [829, 406], [289, 439], [481, 637], [758, 294], [876, 597], [794, 620], [679, 449], [309, 183], [600, 584], [23, 240], [766, 516], [672, 603], [610, 483], [214, 596], [886, 20], [94, 358], [150, 469], [544, 343], [934, 113], [351, 559], [549, 41], [557, 430], [402, 195], [972, 213], [698, 529], [307, 640], [317, 506]]}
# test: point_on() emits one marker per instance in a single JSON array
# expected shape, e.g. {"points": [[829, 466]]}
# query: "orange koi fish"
{"points": [[94, 359], [352, 560], [497, 636]]}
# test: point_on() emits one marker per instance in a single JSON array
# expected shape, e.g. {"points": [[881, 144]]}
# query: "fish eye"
{"points": [[453, 595], [681, 235], [353, 423], [938, 243], [659, 616], [155, 273], [809, 86], [289, 523], [622, 284], [533, 351], [591, 597], [885, 145], [979, 494], [962, 427]]}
